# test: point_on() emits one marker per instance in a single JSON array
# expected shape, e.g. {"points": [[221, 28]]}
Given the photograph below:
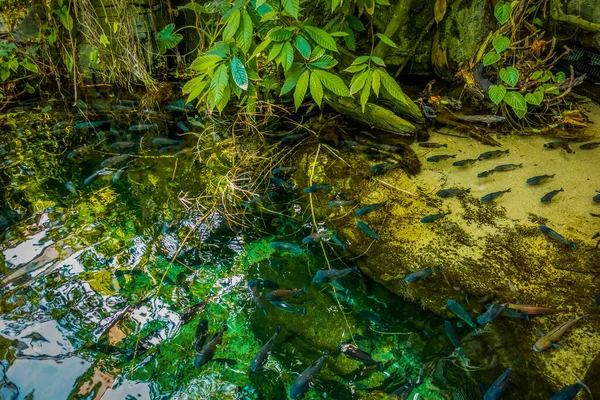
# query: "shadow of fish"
{"points": [[253, 286], [287, 307], [421, 274], [201, 334], [451, 333]]}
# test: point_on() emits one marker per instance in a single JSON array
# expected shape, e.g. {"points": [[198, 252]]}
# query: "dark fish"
{"points": [[318, 188], [263, 354], [354, 353], [292, 138], [316, 237], [210, 348], [253, 286], [558, 145], [445, 193], [373, 319], [337, 241], [266, 283], [117, 176], [122, 145], [165, 141], [350, 145], [366, 229], [302, 382], [451, 333], [201, 334], [549, 196], [551, 233], [278, 295], [71, 188], [461, 313], [90, 124], [183, 152], [498, 387], [75, 152], [119, 107], [462, 163], [284, 247], [492, 154], [493, 196], [492, 312], [421, 274], [440, 157], [589, 146], [539, 179], [93, 176], [364, 210], [330, 275], [109, 162], [433, 217], [167, 149], [568, 393], [507, 167], [341, 203], [142, 127], [431, 145], [404, 391], [485, 174], [381, 168], [596, 198], [552, 337], [284, 171], [508, 313], [287, 307], [184, 128], [377, 156]]}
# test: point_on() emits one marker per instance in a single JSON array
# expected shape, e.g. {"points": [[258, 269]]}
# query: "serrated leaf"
{"points": [[287, 56], [204, 63], [378, 61], [439, 10], [355, 23], [238, 71], [515, 100], [355, 68], [392, 87], [366, 91], [274, 52], [317, 52], [232, 25], [501, 43], [497, 93], [502, 12], [263, 45], [376, 82], [292, 7], [316, 89], [105, 42], [324, 62], [280, 35], [301, 87], [510, 75], [269, 16], [349, 40], [491, 58], [321, 37], [332, 82], [359, 82], [386, 40], [535, 98], [218, 83], [303, 47], [244, 36]]}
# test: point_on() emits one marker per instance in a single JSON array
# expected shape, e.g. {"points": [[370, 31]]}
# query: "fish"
{"points": [[373, 319], [165, 141], [451, 333], [589, 146], [596, 198], [366, 229], [75, 152], [263, 354], [350, 145], [549, 339], [341, 203], [509, 313], [117, 176], [142, 127], [440, 157], [354, 353], [287, 307], [201, 334], [493, 311], [405, 390], [90, 124], [462, 163], [184, 128], [122, 145], [183, 152], [210, 348], [71, 188], [292, 138], [452, 192], [551, 233], [492, 154], [376, 156], [36, 337], [421, 274], [316, 237], [330, 275], [93, 176], [432, 145], [484, 119], [536, 180], [318, 188], [433, 217], [531, 310], [493, 196], [337, 241], [569, 392], [549, 196], [364, 210], [167, 149], [485, 174], [253, 286], [461, 313], [284, 247], [284, 171], [300, 385], [278, 295], [266, 283], [499, 386], [381, 168], [389, 147], [507, 167], [109, 162]]}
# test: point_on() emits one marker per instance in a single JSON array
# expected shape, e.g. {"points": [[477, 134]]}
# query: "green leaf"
{"points": [[510, 75], [13, 64], [303, 47], [497, 93], [355, 68], [195, 7], [502, 12], [224, 100], [324, 62], [317, 52], [232, 25], [501, 43], [360, 60], [218, 84], [287, 56], [332, 82], [350, 40], [535, 98], [392, 87], [338, 34], [291, 81], [550, 89], [537, 75], [376, 82], [386, 39], [539, 22], [263, 45], [4, 73], [358, 82], [515, 100], [378, 61], [244, 36], [274, 52], [530, 10], [520, 113], [560, 77], [269, 16], [316, 89], [28, 65], [301, 87], [292, 7], [259, 3], [194, 87], [281, 35], [165, 39], [204, 63], [64, 17], [321, 37], [355, 23], [104, 40], [240, 77], [546, 76], [68, 61], [491, 58], [366, 91]]}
